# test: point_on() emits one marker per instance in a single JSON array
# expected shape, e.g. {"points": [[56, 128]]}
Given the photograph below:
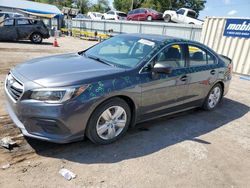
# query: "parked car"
{"points": [[22, 28], [142, 14], [102, 91], [182, 15], [114, 15], [95, 15], [81, 16]]}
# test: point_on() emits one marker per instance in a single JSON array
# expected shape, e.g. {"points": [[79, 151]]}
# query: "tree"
{"points": [[83, 5], [100, 6]]}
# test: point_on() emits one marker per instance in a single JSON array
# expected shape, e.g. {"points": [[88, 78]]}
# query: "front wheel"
{"points": [[213, 98], [109, 121]]}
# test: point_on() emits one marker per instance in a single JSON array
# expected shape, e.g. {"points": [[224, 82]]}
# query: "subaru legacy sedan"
{"points": [[102, 91]]}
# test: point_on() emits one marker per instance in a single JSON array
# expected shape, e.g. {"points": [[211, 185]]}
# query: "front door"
{"points": [[8, 30], [163, 93]]}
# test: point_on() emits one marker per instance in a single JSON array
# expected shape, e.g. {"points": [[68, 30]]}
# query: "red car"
{"points": [[142, 14]]}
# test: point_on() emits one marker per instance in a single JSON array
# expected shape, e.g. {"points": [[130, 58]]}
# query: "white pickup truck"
{"points": [[183, 15]]}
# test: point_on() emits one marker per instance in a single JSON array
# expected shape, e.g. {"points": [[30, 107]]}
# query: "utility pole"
{"points": [[132, 5]]}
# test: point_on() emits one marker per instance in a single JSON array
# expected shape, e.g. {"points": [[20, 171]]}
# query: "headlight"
{"points": [[56, 95]]}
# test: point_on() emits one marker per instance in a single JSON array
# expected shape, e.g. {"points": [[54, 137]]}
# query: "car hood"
{"points": [[64, 70]]}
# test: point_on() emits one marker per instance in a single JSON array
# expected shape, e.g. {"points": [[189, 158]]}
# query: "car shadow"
{"points": [[27, 42], [149, 137]]}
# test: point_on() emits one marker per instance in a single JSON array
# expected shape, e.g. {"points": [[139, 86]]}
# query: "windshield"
{"points": [[123, 51]]}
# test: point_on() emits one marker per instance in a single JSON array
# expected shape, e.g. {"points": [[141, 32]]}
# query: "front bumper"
{"points": [[59, 123], [48, 128]]}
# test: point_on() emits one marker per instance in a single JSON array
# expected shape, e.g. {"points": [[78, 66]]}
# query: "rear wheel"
{"points": [[36, 38], [109, 121], [167, 18], [213, 97]]}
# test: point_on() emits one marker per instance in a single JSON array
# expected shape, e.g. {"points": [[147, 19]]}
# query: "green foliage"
{"points": [[159, 5], [83, 5], [101, 6]]}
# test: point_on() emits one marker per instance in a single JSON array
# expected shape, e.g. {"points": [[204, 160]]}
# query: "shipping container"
{"points": [[229, 37]]}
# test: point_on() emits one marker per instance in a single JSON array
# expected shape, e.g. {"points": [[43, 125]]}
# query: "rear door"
{"points": [[164, 93], [142, 14], [24, 28], [202, 72], [8, 30], [135, 15]]}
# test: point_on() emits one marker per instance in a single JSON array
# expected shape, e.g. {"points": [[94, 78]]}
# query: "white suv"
{"points": [[114, 15]]}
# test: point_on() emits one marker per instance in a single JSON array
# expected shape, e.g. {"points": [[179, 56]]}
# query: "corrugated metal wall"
{"points": [[185, 31], [238, 49]]}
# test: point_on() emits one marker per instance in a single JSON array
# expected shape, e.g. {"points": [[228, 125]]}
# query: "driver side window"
{"points": [[172, 56]]}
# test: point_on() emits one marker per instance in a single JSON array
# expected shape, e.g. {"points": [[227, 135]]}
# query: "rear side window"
{"points": [[23, 22], [172, 56], [199, 57], [191, 14], [9, 22], [131, 12], [136, 11], [142, 10]]}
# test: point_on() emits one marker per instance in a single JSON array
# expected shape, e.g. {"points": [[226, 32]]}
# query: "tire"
{"points": [[213, 98], [167, 18], [103, 126], [36, 38], [191, 23], [149, 18]]}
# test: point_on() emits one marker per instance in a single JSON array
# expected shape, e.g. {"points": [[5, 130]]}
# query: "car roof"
{"points": [[17, 18], [155, 37], [9, 12], [187, 9]]}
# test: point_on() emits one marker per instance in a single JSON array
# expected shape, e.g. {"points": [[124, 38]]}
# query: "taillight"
{"points": [[230, 68]]}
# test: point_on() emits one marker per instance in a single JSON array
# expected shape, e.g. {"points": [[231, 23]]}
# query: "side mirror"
{"points": [[162, 68]]}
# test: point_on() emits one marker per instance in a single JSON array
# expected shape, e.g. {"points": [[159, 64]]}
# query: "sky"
{"points": [[231, 8]]}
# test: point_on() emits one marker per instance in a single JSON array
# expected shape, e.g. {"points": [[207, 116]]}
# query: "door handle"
{"points": [[212, 72], [183, 78]]}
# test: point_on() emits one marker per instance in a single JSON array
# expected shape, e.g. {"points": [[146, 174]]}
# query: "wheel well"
{"points": [[222, 86], [129, 101], [36, 32]]}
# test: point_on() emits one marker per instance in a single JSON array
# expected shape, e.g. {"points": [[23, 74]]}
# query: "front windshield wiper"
{"points": [[99, 60]]}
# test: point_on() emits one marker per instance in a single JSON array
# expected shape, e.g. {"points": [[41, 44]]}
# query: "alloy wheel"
{"points": [[214, 97], [111, 122]]}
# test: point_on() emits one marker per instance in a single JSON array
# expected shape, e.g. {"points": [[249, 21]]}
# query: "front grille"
{"points": [[14, 87]]}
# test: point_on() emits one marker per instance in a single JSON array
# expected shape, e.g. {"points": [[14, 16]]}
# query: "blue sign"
{"points": [[237, 28]]}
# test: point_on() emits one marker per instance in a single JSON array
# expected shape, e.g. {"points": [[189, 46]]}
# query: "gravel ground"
{"points": [[190, 149]]}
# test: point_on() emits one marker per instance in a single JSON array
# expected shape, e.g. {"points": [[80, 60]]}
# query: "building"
{"points": [[49, 13]]}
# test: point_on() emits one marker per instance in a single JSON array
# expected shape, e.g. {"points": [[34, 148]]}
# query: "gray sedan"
{"points": [[102, 91]]}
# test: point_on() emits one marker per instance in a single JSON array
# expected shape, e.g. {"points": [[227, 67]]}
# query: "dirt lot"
{"points": [[191, 149]]}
